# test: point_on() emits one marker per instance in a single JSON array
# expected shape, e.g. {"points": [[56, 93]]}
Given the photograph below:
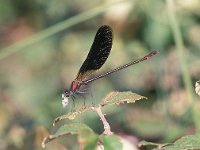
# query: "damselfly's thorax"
{"points": [[72, 92], [75, 85]]}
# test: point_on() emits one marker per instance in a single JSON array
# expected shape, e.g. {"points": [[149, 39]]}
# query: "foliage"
{"points": [[186, 142], [107, 140], [112, 98]]}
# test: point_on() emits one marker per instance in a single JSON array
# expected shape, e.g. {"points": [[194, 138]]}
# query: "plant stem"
{"points": [[184, 66], [54, 29], [104, 121]]}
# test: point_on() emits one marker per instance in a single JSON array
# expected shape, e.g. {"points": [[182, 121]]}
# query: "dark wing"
{"points": [[98, 53]]}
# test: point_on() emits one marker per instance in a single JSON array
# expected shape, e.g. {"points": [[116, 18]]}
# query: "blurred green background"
{"points": [[43, 45]]}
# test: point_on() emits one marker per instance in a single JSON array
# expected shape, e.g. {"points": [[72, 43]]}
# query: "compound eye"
{"points": [[64, 100]]}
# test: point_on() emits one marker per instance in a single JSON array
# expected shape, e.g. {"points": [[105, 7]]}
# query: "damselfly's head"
{"points": [[65, 97]]}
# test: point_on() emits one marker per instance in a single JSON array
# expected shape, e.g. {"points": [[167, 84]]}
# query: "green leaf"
{"points": [[111, 98], [90, 142], [151, 145], [111, 142], [85, 133], [72, 115], [186, 142], [121, 98]]}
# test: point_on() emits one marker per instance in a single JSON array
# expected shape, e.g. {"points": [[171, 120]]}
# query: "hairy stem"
{"points": [[106, 125]]}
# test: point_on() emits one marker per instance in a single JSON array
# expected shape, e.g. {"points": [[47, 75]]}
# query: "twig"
{"points": [[106, 125]]}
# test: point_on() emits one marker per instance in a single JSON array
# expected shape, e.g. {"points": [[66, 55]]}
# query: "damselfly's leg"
{"points": [[84, 99], [85, 92], [92, 98], [82, 94], [73, 107], [90, 93]]}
